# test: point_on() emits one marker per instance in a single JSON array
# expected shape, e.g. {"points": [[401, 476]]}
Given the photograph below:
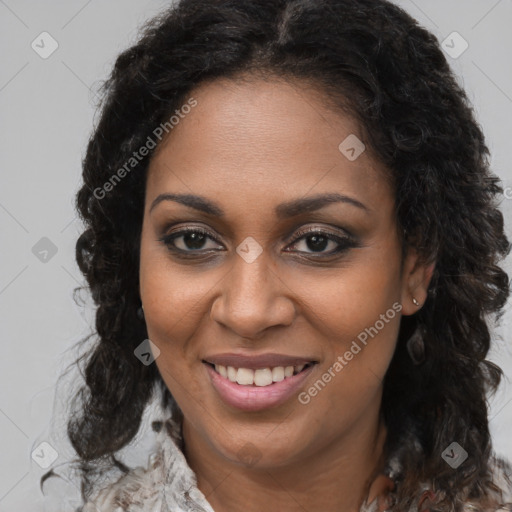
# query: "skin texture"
{"points": [[249, 147]]}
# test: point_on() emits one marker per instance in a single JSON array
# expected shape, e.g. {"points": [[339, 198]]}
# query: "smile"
{"points": [[260, 377], [256, 389]]}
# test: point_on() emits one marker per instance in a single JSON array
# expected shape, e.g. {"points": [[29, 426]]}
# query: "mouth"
{"points": [[257, 383], [259, 377]]}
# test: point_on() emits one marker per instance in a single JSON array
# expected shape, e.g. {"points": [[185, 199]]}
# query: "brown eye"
{"points": [[189, 240], [316, 241]]}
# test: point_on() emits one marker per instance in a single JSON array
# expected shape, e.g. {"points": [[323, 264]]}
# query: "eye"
{"points": [[316, 241], [190, 240]]}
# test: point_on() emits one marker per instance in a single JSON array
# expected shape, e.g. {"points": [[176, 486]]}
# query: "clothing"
{"points": [[168, 484]]}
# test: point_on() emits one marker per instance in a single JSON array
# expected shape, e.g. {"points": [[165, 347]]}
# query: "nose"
{"points": [[253, 298]]}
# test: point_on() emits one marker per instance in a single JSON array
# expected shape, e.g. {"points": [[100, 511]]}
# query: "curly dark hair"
{"points": [[368, 58]]}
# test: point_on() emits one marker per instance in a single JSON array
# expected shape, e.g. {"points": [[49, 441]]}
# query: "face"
{"points": [[265, 247]]}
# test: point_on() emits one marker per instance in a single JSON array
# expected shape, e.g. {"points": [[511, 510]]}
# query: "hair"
{"points": [[369, 58]]}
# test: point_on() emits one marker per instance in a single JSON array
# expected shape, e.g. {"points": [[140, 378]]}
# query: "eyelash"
{"points": [[345, 242]]}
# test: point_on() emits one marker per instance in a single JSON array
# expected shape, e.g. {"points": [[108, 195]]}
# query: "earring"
{"points": [[415, 302], [416, 346], [140, 313]]}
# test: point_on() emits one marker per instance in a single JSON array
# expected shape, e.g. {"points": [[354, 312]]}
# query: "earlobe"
{"points": [[416, 280]]}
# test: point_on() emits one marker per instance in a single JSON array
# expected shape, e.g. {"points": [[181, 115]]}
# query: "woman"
{"points": [[292, 238]]}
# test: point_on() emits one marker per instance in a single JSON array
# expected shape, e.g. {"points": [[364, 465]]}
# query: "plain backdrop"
{"points": [[47, 113]]}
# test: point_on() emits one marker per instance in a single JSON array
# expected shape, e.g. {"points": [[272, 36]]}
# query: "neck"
{"points": [[333, 479]]}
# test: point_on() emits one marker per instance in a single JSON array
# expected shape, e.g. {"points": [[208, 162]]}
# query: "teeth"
{"points": [[245, 376], [222, 370], [278, 374], [260, 377], [231, 374]]}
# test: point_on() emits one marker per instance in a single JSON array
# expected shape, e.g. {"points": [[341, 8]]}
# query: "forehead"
{"points": [[260, 141]]}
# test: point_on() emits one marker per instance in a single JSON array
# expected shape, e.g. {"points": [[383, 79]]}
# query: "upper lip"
{"points": [[257, 361]]}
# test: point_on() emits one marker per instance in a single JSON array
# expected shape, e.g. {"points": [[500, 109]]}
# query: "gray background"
{"points": [[47, 113]]}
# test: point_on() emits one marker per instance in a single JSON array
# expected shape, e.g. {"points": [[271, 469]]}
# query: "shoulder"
{"points": [[502, 480], [166, 483], [139, 490], [498, 490]]}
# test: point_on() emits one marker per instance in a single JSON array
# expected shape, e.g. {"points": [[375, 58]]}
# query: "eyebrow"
{"points": [[283, 211]]}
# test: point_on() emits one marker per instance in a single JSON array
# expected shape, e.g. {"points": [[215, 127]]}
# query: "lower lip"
{"points": [[257, 398]]}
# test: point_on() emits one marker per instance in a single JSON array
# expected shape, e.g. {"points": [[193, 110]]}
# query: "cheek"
{"points": [[173, 315], [171, 293], [347, 300], [358, 311], [349, 382], [167, 299]]}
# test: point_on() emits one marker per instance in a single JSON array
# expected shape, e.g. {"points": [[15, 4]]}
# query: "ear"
{"points": [[416, 278]]}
